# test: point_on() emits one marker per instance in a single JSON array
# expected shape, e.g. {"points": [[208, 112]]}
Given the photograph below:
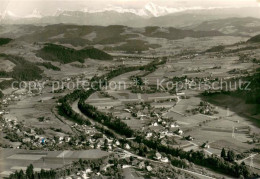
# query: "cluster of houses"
{"points": [[159, 157], [7, 99], [97, 140], [27, 135], [160, 127], [30, 137], [8, 123], [33, 138], [84, 174], [137, 162], [24, 136], [206, 108], [125, 163], [3, 112], [167, 125], [161, 134]]}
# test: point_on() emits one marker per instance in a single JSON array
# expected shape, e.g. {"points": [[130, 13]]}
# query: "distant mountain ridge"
{"points": [[107, 35], [150, 15], [234, 26]]}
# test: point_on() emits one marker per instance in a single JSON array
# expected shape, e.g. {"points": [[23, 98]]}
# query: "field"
{"points": [[12, 160], [6, 65]]}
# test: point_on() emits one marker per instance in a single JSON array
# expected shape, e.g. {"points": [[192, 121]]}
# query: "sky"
{"points": [[48, 7]]}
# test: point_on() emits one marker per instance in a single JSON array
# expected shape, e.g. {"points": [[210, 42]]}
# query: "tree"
{"points": [[231, 156], [105, 144], [223, 153], [1, 94], [29, 172], [81, 164], [139, 81]]}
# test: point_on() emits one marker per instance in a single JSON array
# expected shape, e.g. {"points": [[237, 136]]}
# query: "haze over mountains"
{"points": [[150, 15]]}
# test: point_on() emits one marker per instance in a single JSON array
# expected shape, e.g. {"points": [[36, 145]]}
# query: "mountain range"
{"points": [[149, 10], [150, 15]]}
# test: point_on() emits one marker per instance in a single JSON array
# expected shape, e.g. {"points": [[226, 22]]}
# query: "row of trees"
{"points": [[228, 156], [30, 174], [107, 120], [65, 108]]}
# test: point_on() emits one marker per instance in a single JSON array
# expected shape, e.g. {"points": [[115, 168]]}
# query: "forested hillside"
{"points": [[59, 53]]}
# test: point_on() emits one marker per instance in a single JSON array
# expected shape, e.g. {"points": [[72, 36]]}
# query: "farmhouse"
{"points": [[155, 124], [141, 165], [149, 134], [179, 132], [173, 125], [149, 168], [165, 160], [158, 156]]}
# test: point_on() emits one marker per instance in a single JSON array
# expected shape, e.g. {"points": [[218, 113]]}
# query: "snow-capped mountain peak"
{"points": [[155, 10], [58, 12], [8, 15], [34, 14]]}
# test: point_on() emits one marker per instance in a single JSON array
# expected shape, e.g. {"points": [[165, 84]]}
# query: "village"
{"points": [[106, 101]]}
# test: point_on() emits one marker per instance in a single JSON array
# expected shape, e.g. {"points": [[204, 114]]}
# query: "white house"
{"points": [[117, 143], [165, 160], [173, 125], [127, 146], [158, 156], [149, 134], [149, 168], [179, 132], [155, 124]]}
